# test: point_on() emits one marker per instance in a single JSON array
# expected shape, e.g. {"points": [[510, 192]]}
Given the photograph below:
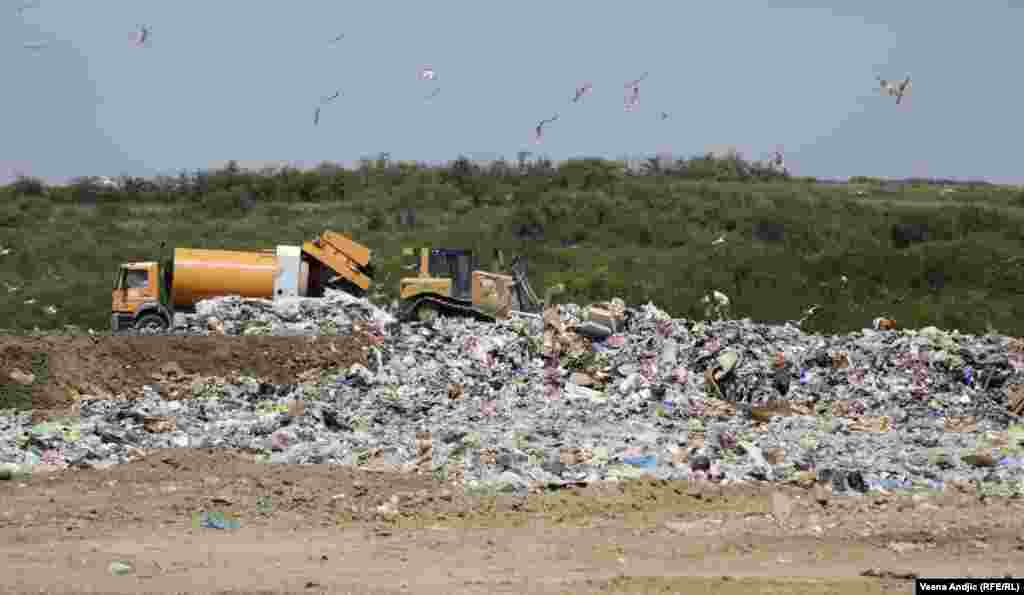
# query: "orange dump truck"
{"points": [[147, 294]]}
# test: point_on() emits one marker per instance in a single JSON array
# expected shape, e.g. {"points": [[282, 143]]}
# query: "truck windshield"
{"points": [[136, 279]]}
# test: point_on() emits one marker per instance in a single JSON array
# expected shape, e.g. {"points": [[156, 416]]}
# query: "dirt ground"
{"points": [[323, 529], [104, 366]]}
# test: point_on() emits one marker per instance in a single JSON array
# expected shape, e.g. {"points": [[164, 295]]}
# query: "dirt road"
{"points": [[319, 529]]}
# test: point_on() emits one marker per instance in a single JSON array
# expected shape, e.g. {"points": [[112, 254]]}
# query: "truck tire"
{"points": [[426, 312], [151, 322]]}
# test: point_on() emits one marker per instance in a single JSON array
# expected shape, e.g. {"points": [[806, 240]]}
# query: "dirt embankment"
{"points": [[51, 372]]}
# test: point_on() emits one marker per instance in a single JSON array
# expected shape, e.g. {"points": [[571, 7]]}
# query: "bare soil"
{"points": [[325, 529]]}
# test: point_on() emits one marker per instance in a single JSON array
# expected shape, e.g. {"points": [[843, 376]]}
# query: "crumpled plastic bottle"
{"points": [[969, 376]]}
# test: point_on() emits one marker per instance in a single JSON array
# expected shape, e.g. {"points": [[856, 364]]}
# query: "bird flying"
{"points": [[581, 91], [338, 38], [332, 97], [316, 116], [633, 97], [634, 83], [663, 116], [897, 90], [539, 130], [142, 35]]}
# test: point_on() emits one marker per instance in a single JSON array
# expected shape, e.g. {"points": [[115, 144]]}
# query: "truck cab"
{"points": [[140, 297]]}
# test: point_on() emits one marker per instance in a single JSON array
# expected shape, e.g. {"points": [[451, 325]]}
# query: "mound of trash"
{"points": [[584, 394], [335, 313]]}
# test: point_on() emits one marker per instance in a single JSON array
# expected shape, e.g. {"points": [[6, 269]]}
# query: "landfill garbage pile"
{"points": [[335, 313], [590, 394]]}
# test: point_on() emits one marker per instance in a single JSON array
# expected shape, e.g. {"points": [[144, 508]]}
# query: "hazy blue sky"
{"points": [[227, 79]]}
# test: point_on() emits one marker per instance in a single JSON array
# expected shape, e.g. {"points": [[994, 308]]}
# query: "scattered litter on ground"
{"points": [[216, 520], [118, 568], [889, 574]]}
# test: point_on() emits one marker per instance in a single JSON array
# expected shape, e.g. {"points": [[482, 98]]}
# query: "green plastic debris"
{"points": [[808, 442], [263, 504], [9, 471], [118, 568], [625, 472], [44, 429], [68, 431], [1016, 434], [269, 408], [727, 362]]}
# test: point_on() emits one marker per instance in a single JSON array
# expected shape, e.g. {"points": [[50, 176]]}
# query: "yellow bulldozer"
{"points": [[448, 282]]}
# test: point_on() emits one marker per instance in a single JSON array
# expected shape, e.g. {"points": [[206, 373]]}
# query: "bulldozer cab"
{"points": [[455, 264]]}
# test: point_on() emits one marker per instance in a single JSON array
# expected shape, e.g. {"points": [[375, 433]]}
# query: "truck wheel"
{"points": [[426, 312], [153, 322]]}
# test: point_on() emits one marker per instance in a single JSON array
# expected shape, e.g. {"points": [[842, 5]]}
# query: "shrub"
{"points": [[224, 203], [27, 186]]}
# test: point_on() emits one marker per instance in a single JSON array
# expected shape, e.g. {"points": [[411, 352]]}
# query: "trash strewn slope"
{"points": [[574, 396]]}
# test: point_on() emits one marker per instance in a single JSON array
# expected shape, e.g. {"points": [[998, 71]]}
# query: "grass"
{"points": [[606, 233]]}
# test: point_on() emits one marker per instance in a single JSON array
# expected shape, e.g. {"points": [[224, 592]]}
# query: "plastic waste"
{"points": [[9, 471], [593, 330], [118, 568], [217, 520], [645, 462], [575, 391], [968, 375]]}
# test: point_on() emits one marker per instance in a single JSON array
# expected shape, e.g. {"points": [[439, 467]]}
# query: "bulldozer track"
{"points": [[447, 309]]}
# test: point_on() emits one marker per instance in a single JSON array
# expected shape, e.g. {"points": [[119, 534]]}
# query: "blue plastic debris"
{"points": [[968, 375], [646, 462], [890, 484], [217, 520]]}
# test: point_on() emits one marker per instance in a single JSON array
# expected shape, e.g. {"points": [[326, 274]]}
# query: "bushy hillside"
{"points": [[921, 252]]}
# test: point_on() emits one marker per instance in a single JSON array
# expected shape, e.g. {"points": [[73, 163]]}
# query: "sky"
{"points": [[234, 80]]}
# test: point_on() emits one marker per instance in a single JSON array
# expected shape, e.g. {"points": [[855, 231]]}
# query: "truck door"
{"points": [[131, 290]]}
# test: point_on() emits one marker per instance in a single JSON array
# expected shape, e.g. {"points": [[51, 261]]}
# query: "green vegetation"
{"points": [[602, 229]]}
